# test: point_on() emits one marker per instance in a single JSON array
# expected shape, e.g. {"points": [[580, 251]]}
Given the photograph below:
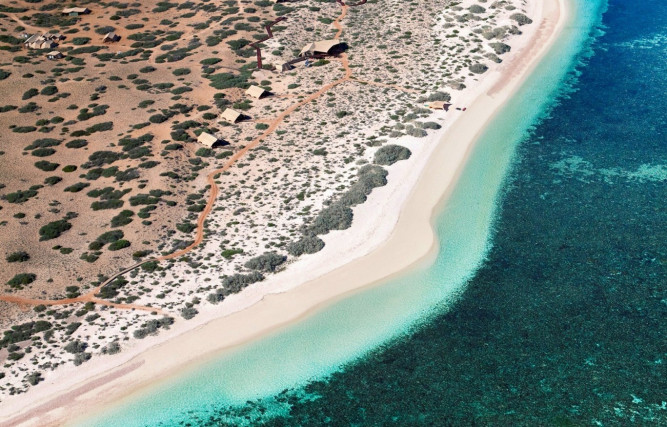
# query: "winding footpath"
{"points": [[210, 178]]}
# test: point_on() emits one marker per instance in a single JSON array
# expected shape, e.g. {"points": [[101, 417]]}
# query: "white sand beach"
{"points": [[375, 248]]}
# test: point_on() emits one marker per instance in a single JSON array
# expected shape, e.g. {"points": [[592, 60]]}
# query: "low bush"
{"points": [[390, 154], [20, 196], [21, 279], [236, 283], [267, 262], [521, 19], [46, 166], [75, 188], [19, 256], [123, 218], [306, 245], [118, 245], [54, 229], [478, 68]]}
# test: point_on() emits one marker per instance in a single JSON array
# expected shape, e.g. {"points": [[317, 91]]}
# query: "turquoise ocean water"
{"points": [[546, 302]]}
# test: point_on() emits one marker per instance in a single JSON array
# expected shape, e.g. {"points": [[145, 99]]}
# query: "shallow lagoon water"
{"points": [[424, 348]]}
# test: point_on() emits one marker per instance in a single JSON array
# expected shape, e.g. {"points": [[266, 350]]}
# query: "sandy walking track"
{"points": [[210, 178]]}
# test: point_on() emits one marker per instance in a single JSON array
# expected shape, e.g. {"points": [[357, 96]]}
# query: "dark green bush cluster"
{"points": [[521, 19], [338, 215], [75, 188], [54, 229], [390, 154], [46, 166], [76, 143], [43, 143], [478, 68], [440, 96], [100, 158], [267, 262], [21, 279], [123, 218], [21, 196], [111, 290], [305, 245], [500, 48], [19, 256], [151, 327], [23, 332], [98, 110]]}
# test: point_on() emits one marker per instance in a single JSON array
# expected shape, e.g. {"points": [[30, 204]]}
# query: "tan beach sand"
{"points": [[366, 254]]}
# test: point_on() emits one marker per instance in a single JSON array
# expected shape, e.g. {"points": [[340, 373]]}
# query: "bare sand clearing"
{"points": [[402, 239]]}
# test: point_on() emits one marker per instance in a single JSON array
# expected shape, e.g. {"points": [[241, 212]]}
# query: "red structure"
{"points": [[270, 36]]}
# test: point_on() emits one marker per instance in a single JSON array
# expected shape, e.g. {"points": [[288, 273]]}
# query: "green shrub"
{"points": [[107, 204], [390, 154], [440, 96], [43, 152], [24, 129], [54, 229], [478, 68], [52, 180], [30, 93], [75, 188], [521, 19], [118, 245], [49, 90], [21, 279], [181, 71], [19, 256], [76, 143], [111, 236], [69, 168], [20, 196], [46, 166], [267, 262], [306, 245], [43, 143], [4, 74], [123, 218]]}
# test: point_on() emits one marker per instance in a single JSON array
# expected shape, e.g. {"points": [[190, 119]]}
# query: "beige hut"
{"points": [[321, 47], [255, 92], [76, 11], [48, 44], [231, 115], [439, 105], [207, 139], [111, 37], [54, 55]]}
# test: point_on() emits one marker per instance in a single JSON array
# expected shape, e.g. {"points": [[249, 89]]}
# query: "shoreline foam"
{"points": [[410, 231]]}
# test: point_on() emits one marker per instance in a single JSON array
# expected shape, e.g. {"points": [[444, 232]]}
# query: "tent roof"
{"points": [[76, 9], [438, 105], [321, 46], [54, 53], [207, 139], [231, 115], [255, 91]]}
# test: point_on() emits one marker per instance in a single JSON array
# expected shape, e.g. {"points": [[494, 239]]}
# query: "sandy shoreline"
{"points": [[285, 298]]}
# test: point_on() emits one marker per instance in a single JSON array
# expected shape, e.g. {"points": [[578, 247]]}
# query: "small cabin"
{"points": [[111, 38], [256, 92], [54, 55], [207, 140], [320, 48], [439, 105], [230, 115], [76, 11]]}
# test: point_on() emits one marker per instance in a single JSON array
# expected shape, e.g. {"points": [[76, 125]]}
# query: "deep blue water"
{"points": [[564, 323]]}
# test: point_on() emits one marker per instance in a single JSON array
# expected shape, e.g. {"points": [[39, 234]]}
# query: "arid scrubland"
{"points": [[101, 168]]}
